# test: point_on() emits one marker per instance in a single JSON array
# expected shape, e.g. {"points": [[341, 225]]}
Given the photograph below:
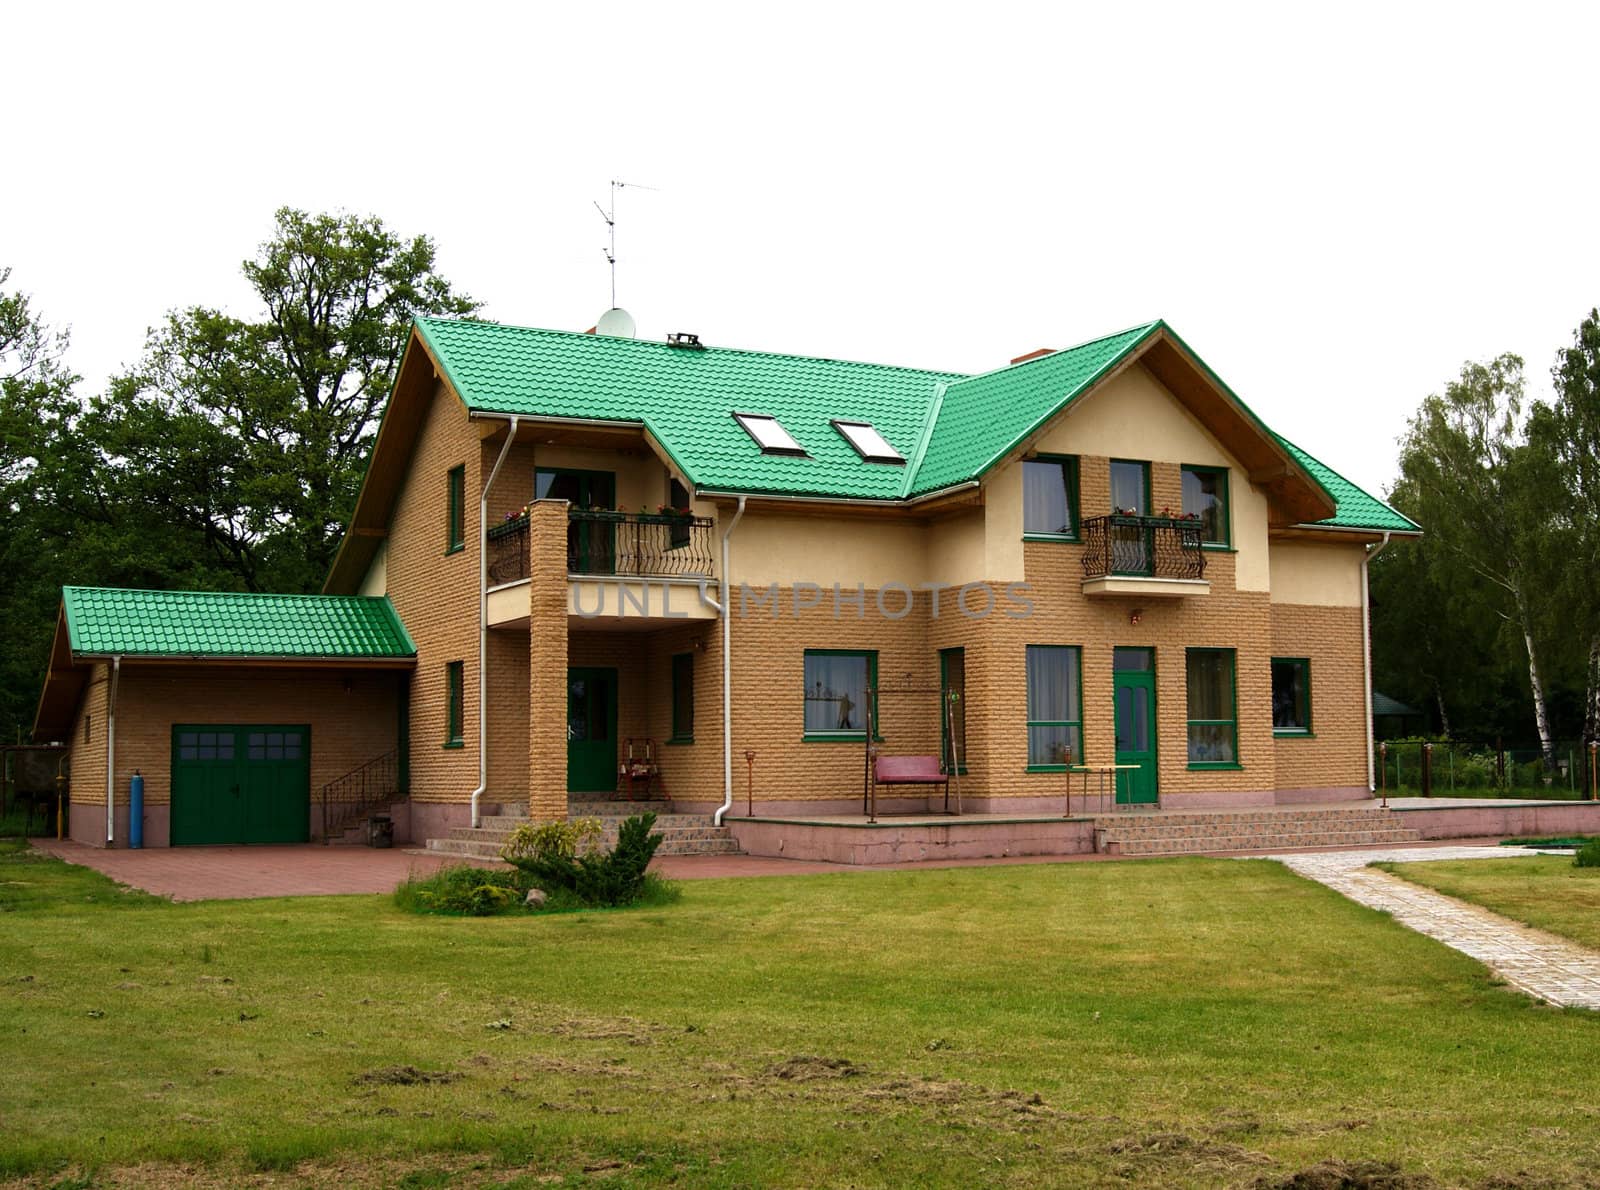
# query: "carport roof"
{"points": [[104, 621]]}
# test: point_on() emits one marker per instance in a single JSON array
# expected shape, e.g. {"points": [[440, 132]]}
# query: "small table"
{"points": [[1108, 776]]}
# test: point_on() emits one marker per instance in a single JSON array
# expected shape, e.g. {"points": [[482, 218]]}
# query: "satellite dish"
{"points": [[616, 322]]}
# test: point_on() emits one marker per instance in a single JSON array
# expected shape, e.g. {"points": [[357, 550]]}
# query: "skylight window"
{"points": [[870, 445], [769, 434]]}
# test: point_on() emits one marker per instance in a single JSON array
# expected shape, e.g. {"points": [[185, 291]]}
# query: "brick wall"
{"points": [[436, 595], [1335, 755], [348, 727]]}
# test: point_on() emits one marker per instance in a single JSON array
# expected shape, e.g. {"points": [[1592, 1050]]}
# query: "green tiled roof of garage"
{"points": [[102, 621], [950, 428]]}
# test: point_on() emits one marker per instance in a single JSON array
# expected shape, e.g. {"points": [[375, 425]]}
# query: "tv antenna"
{"points": [[609, 214]]}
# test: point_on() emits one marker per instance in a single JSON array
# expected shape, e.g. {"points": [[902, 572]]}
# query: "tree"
{"points": [[252, 435], [36, 399], [1570, 433], [1477, 487]]}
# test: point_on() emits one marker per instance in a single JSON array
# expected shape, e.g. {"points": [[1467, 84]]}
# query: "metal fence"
{"points": [[1485, 768]]}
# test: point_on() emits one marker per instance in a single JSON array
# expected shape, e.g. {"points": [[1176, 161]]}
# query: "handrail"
{"points": [[1143, 546], [375, 783], [600, 542]]}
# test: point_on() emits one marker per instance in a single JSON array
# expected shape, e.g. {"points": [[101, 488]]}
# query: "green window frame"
{"points": [[1219, 535], [454, 694], [456, 511], [823, 690], [682, 698], [1291, 696], [1055, 708], [1043, 511], [1112, 469], [1212, 681]]}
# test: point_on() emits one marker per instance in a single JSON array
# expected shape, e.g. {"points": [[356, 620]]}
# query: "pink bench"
{"points": [[909, 770]]}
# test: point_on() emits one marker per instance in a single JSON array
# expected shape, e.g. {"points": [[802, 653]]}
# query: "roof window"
{"points": [[870, 445], [769, 434]]}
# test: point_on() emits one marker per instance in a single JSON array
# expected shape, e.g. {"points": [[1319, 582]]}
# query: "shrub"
{"points": [[615, 877], [460, 891], [552, 839], [1588, 856]]}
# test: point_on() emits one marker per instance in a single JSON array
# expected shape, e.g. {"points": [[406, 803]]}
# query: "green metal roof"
{"points": [[1382, 704], [982, 417], [1358, 509], [104, 620], [951, 428], [687, 397]]}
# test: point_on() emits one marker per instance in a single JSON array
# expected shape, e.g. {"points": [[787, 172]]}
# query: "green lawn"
{"points": [[1188, 1022], [1540, 890]]}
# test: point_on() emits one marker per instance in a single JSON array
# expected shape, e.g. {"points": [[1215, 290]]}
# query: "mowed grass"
{"points": [[1540, 890], [1182, 1022]]}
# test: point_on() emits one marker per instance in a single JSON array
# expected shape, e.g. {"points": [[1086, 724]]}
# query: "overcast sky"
{"points": [[1335, 207]]}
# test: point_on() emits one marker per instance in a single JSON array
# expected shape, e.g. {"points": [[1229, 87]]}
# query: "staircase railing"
{"points": [[348, 799]]}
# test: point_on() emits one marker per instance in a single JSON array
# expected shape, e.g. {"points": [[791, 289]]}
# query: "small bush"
{"points": [[1588, 856], [552, 840], [461, 891], [599, 878]]}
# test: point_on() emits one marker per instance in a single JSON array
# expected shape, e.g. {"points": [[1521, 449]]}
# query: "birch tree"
{"points": [[1466, 458]]}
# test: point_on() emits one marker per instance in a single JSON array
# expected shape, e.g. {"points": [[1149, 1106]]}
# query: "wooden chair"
{"points": [[639, 768]]}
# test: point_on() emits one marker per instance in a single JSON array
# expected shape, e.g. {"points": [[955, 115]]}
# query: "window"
{"points": [[837, 681], [683, 698], [1291, 696], [274, 745], [455, 531], [1055, 707], [1130, 488], [679, 500], [872, 446], [769, 434], [1213, 715], [452, 706], [1050, 497], [953, 706], [1205, 494]]}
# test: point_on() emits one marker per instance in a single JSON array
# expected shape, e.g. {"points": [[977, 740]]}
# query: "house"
{"points": [[569, 545]]}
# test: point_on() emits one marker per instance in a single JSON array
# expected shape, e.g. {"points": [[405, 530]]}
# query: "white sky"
{"points": [[1334, 208]]}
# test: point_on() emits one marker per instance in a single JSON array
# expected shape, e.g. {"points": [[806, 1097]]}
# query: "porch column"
{"points": [[547, 660]]}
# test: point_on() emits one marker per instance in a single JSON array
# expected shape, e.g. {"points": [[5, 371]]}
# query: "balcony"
{"points": [[638, 567], [611, 544], [1143, 555]]}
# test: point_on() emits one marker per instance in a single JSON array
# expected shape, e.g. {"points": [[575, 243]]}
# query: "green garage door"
{"points": [[240, 784]]}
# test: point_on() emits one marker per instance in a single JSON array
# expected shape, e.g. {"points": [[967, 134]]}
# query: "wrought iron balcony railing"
{"points": [[642, 545], [1142, 547]]}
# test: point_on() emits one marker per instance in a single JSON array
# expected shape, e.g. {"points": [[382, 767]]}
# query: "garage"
{"points": [[247, 783]]}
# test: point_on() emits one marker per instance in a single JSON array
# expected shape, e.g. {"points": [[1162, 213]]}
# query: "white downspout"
{"points": [[727, 675], [483, 625], [111, 751], [1366, 650]]}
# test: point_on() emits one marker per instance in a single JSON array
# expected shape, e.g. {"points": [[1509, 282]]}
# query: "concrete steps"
{"points": [[1196, 832], [682, 834]]}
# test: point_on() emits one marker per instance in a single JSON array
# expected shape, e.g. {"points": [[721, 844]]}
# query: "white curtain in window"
{"points": [[1127, 488], [1044, 497], [836, 693]]}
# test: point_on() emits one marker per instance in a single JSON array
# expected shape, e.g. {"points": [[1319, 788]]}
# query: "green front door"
{"points": [[591, 730], [240, 783], [1134, 674]]}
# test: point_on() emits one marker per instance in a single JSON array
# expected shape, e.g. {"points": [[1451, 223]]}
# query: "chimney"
{"points": [[1035, 354]]}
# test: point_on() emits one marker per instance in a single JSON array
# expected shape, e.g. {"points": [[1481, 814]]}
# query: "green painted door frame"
{"points": [[591, 729], [240, 783], [591, 545], [1134, 709]]}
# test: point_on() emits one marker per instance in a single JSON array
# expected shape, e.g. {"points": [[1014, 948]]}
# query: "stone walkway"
{"points": [[1543, 965]]}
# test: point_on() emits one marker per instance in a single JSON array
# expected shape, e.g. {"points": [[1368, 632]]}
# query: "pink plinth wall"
{"points": [[892, 843], [1457, 821], [87, 824], [1053, 804]]}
